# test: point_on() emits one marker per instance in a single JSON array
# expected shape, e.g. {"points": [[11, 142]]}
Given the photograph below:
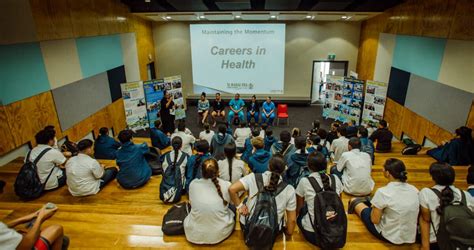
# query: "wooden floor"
{"points": [[117, 218]]}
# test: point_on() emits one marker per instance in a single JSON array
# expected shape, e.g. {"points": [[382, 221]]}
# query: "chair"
{"points": [[282, 112]]}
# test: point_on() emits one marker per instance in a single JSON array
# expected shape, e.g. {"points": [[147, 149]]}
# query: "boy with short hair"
{"points": [[105, 146]]}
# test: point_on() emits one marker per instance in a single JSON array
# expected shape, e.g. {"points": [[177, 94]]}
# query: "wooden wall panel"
{"points": [[461, 26], [116, 113], [393, 114], [410, 19], [52, 19], [145, 44], [6, 143], [84, 17], [437, 17], [470, 118]]}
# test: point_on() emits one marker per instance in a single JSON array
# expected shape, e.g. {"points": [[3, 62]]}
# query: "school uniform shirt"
{"points": [[383, 137], [339, 146], [240, 134], [285, 201], [9, 238], [134, 169], [182, 167], [105, 147], [429, 200], [400, 205], [357, 167], [49, 162], [307, 191], [470, 190], [83, 175], [159, 139], [262, 134], [188, 140], [186, 130], [206, 136], [209, 221], [238, 170]]}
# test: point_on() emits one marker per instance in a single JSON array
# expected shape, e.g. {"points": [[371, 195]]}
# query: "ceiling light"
{"points": [[273, 16], [237, 16], [121, 18], [308, 17], [168, 17], [202, 17], [343, 17]]}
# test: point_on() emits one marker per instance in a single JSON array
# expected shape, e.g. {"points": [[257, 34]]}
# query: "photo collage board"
{"points": [[343, 99], [135, 105], [374, 105]]}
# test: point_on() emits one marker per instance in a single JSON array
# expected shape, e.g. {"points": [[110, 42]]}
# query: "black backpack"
{"points": [[174, 218], [411, 147], [69, 146], [154, 161], [262, 227], [330, 233], [28, 184], [171, 186], [456, 225]]}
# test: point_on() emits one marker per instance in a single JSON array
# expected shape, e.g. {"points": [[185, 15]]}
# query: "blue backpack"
{"points": [[171, 186]]}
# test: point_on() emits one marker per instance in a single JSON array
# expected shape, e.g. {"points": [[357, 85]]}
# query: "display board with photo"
{"points": [[343, 98], [375, 98], [154, 92], [135, 105]]}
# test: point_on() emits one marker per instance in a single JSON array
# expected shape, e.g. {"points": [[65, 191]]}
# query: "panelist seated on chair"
{"points": [[268, 111], [203, 108], [253, 110], [218, 108], [236, 108]]}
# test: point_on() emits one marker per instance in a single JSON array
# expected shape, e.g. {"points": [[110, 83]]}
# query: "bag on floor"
{"points": [[69, 146], [456, 225], [330, 221], [262, 227], [171, 186], [412, 149], [174, 219], [28, 185], [154, 161]]}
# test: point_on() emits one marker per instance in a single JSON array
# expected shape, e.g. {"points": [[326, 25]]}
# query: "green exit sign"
{"points": [[331, 56]]}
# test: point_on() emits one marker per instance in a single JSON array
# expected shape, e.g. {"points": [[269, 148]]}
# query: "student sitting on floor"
{"points": [[207, 133], [283, 147], [458, 151], [270, 180], [269, 139], [56, 146], [248, 148], [51, 160], [316, 125], [332, 135], [193, 166], [391, 215], [134, 169], [85, 175], [315, 146], [383, 137], [295, 132], [351, 128], [431, 205], [158, 137], [366, 145], [258, 161], [188, 139], [470, 180], [296, 162], [231, 168], [105, 146], [218, 142], [211, 219], [173, 157], [339, 145], [305, 193], [241, 134], [354, 169], [263, 128]]}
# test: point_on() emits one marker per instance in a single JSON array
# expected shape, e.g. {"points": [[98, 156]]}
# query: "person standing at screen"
{"points": [[253, 108], [218, 107], [167, 119], [236, 108], [268, 111]]}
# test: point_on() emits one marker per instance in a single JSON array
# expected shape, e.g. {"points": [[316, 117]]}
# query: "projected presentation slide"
{"points": [[243, 58]]}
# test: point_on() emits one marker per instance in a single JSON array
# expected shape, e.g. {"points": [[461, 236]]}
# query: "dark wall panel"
{"points": [[116, 77], [398, 85]]}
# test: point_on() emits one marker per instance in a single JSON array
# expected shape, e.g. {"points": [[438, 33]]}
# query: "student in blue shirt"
{"points": [[193, 166], [105, 146], [269, 139], [258, 161], [134, 169], [268, 111], [248, 145], [236, 107], [470, 180], [158, 138]]}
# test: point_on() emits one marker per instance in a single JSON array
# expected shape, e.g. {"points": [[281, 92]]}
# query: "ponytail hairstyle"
{"points": [[443, 174], [176, 143], [317, 163], [396, 168], [315, 140], [202, 148], [300, 143], [210, 170], [277, 166], [316, 124], [295, 132], [230, 150], [285, 138], [207, 128]]}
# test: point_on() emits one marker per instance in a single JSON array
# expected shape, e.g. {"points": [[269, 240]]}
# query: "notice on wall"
{"points": [[343, 99], [135, 105], [154, 92], [374, 105]]}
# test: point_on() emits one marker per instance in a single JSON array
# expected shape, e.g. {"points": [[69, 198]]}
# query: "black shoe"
{"points": [[65, 243]]}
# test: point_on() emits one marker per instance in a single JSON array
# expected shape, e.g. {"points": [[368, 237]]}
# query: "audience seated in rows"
{"points": [[458, 151], [188, 139], [158, 138], [340, 144], [193, 167], [85, 175], [218, 142], [296, 162], [207, 133], [315, 145], [258, 161], [383, 137], [269, 139], [241, 134], [134, 169], [283, 146], [231, 168], [248, 148], [105, 147]]}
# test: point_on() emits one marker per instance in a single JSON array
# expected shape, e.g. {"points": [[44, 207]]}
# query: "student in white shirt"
{"points": [[285, 200], [339, 145], [207, 133], [305, 193], [354, 168], [85, 175], [392, 213], [231, 169], [241, 134], [295, 132], [443, 175], [35, 237], [263, 128], [188, 140], [51, 162], [174, 156], [211, 219]]}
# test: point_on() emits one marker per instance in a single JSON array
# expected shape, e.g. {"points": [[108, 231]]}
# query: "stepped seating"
{"points": [[119, 218]]}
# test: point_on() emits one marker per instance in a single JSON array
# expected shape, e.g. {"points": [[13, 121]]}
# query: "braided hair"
{"points": [[202, 148], [176, 143], [230, 150], [210, 170], [300, 143], [277, 166], [443, 174], [207, 128], [317, 163]]}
